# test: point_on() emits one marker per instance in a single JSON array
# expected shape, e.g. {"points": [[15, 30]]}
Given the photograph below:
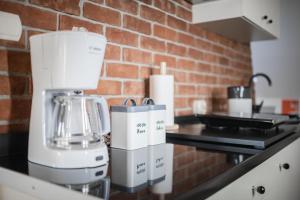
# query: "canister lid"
{"points": [[129, 108], [152, 106]]}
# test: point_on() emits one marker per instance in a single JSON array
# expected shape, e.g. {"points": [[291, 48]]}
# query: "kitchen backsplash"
{"points": [[140, 35]]}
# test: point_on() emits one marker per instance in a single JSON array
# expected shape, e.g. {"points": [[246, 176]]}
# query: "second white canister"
{"points": [[157, 120], [129, 128]]}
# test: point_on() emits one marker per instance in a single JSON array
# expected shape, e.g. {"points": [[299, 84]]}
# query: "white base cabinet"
{"points": [[277, 178]]}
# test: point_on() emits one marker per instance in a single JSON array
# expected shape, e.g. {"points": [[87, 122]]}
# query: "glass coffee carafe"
{"points": [[79, 121]]}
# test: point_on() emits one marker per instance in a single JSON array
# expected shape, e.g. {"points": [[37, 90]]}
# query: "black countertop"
{"points": [[196, 172]]}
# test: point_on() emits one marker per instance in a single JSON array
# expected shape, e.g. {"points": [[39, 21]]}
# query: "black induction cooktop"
{"points": [[245, 120], [229, 138]]}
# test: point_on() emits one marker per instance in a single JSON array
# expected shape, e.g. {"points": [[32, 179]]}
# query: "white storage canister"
{"points": [[157, 120], [129, 126]]}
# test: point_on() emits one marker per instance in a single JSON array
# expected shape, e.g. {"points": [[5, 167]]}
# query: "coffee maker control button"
{"points": [[98, 158]]}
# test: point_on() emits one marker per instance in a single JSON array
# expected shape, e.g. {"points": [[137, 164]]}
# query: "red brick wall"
{"points": [[140, 35]]}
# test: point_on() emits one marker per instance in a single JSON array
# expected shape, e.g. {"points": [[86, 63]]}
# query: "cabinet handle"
{"points": [[285, 166], [270, 21], [261, 189], [265, 17]]}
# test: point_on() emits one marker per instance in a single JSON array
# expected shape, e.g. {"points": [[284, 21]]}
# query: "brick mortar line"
{"points": [[121, 79], [13, 49], [5, 97], [187, 84], [178, 4], [18, 121], [187, 108], [14, 74], [126, 63], [129, 63], [213, 86], [82, 18], [138, 79], [120, 96], [187, 96], [180, 96], [195, 84], [183, 109], [126, 79], [26, 40], [81, 2], [122, 88], [204, 72], [191, 97], [29, 28], [178, 83], [57, 22], [12, 97], [124, 96]]}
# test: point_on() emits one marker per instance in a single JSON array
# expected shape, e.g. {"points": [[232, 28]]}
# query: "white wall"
{"points": [[280, 59]]}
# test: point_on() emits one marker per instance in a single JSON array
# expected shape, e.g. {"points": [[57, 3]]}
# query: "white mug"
{"points": [[239, 100], [199, 107]]}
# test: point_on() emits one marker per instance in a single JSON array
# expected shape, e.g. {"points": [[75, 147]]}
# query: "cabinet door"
{"points": [[272, 24], [264, 13], [287, 163], [248, 186], [278, 182]]}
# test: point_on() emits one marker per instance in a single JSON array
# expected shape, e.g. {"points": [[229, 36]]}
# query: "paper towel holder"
{"points": [[164, 95]]}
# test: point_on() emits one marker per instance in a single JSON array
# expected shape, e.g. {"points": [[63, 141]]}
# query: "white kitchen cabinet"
{"points": [[279, 176], [288, 179], [242, 20]]}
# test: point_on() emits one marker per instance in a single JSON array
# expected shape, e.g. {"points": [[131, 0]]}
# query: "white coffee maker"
{"points": [[66, 126]]}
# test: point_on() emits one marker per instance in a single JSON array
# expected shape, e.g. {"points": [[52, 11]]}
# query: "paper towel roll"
{"points": [[162, 92]]}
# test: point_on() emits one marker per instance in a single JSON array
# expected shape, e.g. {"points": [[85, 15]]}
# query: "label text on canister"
{"points": [[141, 128], [160, 125], [159, 162], [140, 168]]}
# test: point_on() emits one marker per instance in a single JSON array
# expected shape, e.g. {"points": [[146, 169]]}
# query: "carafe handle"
{"points": [[105, 119]]}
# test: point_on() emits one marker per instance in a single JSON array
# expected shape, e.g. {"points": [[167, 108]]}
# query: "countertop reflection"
{"points": [[162, 171], [185, 167]]}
